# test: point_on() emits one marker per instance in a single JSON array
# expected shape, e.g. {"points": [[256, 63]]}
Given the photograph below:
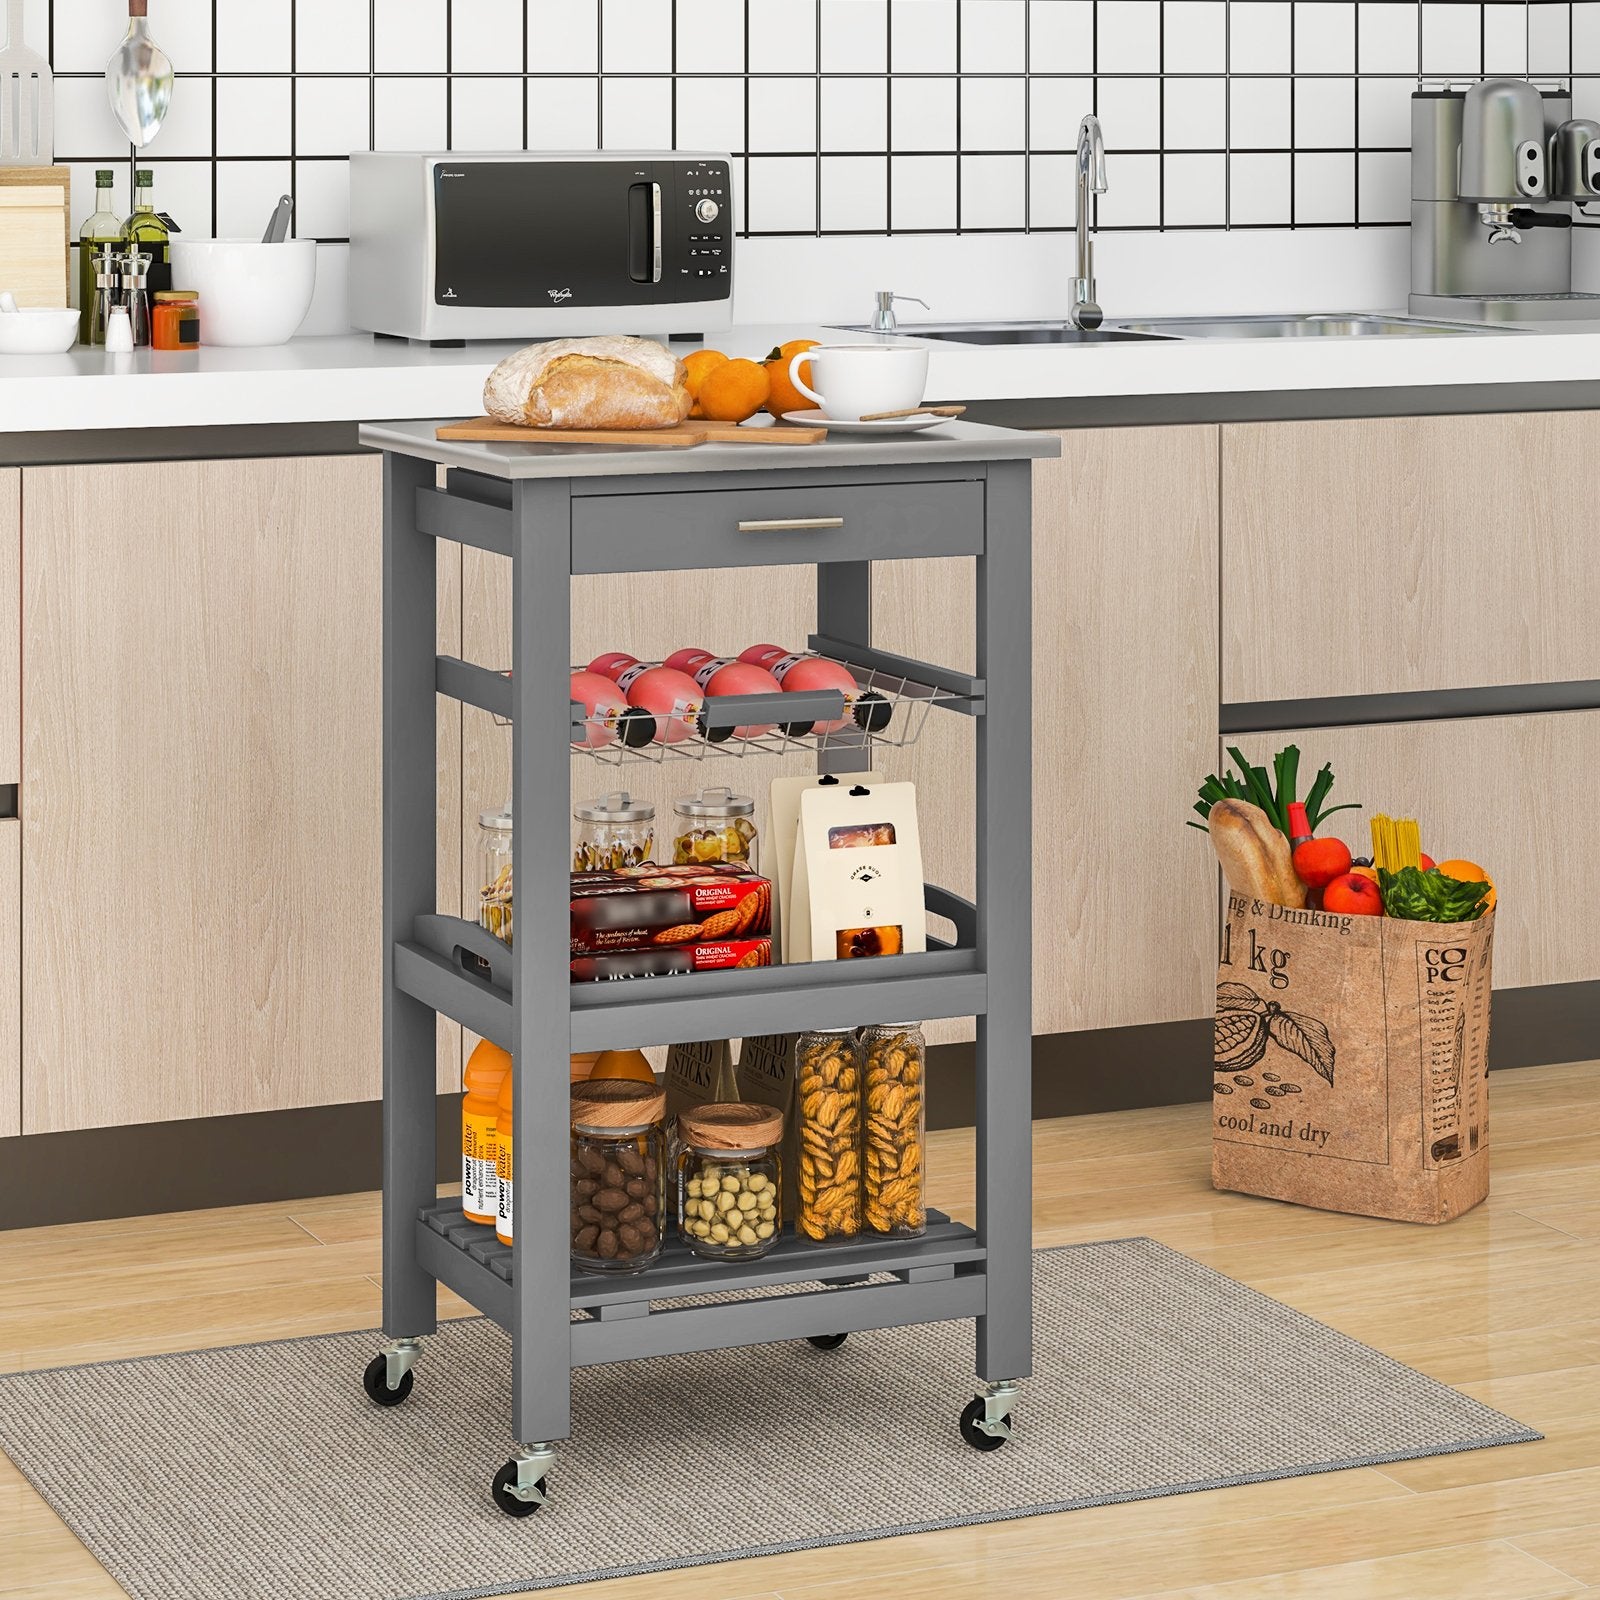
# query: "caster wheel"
{"points": [[504, 1481], [826, 1341], [972, 1433], [375, 1380]]}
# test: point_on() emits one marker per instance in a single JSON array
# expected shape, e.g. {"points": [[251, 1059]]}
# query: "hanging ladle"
{"points": [[139, 80]]}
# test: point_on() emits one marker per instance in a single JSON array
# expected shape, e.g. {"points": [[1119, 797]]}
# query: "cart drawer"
{"points": [[766, 527]]}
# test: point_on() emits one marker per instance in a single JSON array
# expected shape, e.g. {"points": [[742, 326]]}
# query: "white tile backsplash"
{"points": [[332, 36], [844, 116]]}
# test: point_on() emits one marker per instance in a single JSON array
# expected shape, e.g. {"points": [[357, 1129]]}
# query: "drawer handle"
{"points": [[789, 524]]}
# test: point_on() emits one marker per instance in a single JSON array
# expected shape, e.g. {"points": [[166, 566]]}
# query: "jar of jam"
{"points": [[175, 320]]}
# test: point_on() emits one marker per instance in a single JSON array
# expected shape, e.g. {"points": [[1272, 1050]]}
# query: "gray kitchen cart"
{"points": [[557, 511]]}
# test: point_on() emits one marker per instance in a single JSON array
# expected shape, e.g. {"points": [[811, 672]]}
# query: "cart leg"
{"points": [[410, 646], [541, 1372], [844, 611], [1005, 906]]}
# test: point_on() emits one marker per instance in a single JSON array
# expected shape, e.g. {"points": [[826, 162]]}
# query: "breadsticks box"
{"points": [[858, 889], [766, 1077], [651, 908], [1351, 1061]]}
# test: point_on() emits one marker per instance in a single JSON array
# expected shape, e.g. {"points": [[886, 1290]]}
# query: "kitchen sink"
{"points": [[1020, 333], [1315, 325], [1311, 325]]}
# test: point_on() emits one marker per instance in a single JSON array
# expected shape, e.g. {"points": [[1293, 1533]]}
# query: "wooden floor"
{"points": [[1504, 1303]]}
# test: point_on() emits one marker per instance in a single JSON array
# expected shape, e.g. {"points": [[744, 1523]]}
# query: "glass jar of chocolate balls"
{"points": [[618, 1174], [730, 1180]]}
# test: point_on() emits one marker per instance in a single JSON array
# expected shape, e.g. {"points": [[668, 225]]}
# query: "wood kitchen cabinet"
{"points": [[1510, 793], [200, 811], [10, 628], [10, 977], [1406, 553], [1124, 716]]}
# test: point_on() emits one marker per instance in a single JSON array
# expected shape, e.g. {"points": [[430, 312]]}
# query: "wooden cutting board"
{"points": [[35, 235], [485, 430]]}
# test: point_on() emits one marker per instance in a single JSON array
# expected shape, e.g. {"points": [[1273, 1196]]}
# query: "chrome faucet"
{"points": [[1084, 312]]}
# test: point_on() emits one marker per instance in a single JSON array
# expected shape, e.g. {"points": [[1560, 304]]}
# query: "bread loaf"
{"points": [[610, 382], [1255, 856]]}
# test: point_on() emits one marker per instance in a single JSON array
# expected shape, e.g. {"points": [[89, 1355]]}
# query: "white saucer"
{"points": [[815, 419]]}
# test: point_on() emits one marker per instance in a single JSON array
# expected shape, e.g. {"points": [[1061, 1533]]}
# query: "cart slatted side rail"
{"points": [[464, 972], [939, 1275]]}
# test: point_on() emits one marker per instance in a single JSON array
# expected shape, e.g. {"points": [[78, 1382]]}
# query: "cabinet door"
{"points": [[1510, 793], [1124, 699], [10, 628], [200, 812], [1376, 556], [10, 977]]}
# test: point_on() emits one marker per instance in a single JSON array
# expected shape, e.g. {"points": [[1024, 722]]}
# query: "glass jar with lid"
{"points": [[494, 873], [730, 1180], [715, 825], [893, 1157], [614, 831], [618, 1174], [829, 1074]]}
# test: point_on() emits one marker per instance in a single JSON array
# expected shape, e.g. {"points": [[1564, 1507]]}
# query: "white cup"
{"points": [[859, 380]]}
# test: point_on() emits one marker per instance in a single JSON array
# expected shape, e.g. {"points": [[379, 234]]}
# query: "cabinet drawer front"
{"points": [[10, 977], [10, 627], [1500, 791], [755, 527], [1376, 556]]}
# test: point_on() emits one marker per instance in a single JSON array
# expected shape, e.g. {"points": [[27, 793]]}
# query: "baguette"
{"points": [[1255, 856]]}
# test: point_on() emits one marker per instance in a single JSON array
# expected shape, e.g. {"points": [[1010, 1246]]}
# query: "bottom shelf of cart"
{"points": [[797, 1290]]}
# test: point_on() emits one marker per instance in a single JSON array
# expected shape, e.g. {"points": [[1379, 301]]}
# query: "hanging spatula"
{"points": [[27, 132], [139, 79]]}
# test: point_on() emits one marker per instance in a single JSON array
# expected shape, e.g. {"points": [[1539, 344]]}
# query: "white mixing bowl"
{"points": [[35, 332], [250, 293]]}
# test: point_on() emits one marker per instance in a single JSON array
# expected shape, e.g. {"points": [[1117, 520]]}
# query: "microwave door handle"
{"points": [[655, 232]]}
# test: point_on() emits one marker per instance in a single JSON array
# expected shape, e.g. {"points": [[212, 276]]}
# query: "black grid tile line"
{"points": [[1030, 84]]}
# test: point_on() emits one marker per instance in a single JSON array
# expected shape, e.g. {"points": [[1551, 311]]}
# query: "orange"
{"points": [[733, 390], [632, 1064], [695, 367], [784, 396], [1366, 872], [1469, 872]]}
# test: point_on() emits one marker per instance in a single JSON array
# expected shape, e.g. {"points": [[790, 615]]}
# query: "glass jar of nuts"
{"points": [[715, 825], [618, 1174], [828, 1092], [730, 1180], [892, 1199], [614, 831], [494, 874]]}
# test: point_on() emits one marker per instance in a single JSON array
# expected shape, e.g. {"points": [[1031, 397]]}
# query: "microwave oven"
{"points": [[531, 245]]}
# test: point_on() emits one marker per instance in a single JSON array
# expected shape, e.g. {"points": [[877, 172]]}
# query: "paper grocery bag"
{"points": [[1351, 1061]]}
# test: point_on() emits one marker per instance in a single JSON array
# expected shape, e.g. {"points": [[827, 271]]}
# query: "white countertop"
{"points": [[353, 377]]}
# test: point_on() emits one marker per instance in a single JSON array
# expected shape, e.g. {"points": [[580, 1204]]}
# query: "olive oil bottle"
{"points": [[99, 230], [150, 231]]}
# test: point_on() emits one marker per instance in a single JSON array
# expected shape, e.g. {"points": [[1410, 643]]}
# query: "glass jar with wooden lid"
{"points": [[730, 1180], [618, 1174]]}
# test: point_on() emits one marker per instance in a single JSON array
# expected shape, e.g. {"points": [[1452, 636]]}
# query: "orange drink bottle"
{"points": [[503, 1204], [487, 1068]]}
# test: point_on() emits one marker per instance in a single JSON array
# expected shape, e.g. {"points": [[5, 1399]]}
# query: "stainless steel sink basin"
{"points": [[1316, 325], [1020, 333]]}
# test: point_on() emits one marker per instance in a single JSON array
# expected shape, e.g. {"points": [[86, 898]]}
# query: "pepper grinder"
{"points": [[136, 295], [107, 278]]}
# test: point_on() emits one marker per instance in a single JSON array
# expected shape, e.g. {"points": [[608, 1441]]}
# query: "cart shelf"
{"points": [[842, 1286], [464, 972]]}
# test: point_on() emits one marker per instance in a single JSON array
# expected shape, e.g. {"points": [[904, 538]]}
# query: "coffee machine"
{"points": [[1498, 169]]}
